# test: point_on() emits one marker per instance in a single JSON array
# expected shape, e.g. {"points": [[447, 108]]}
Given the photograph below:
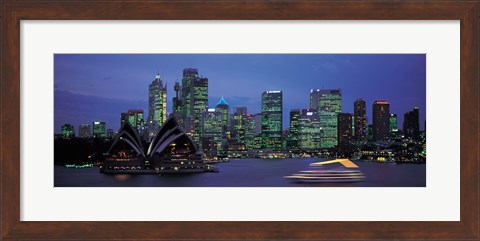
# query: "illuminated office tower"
{"points": [[135, 118], [314, 97], [194, 99], [250, 131], [99, 129], [157, 101], [272, 102], [411, 124], [381, 120], [211, 132], [239, 126], [258, 123], [293, 130], [68, 131], [393, 122], [329, 105], [85, 131], [309, 134], [360, 119], [224, 110], [344, 129]]}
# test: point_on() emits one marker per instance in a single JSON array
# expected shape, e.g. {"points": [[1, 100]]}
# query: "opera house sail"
{"points": [[171, 151]]}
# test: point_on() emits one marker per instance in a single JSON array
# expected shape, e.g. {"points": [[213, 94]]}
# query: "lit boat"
{"points": [[320, 175]]}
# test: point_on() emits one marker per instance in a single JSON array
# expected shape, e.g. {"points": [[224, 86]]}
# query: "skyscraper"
{"points": [[411, 124], [309, 133], [135, 118], [393, 122], [99, 129], [157, 101], [68, 131], [381, 120], [239, 126], [360, 119], [272, 102], [224, 110], [194, 99], [250, 126], [211, 132], [344, 129], [85, 131], [329, 105], [293, 130]]}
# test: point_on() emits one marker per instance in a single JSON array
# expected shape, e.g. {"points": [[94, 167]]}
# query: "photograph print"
{"points": [[239, 120]]}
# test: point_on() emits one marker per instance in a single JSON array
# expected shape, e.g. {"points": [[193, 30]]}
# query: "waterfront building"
{"points": [[309, 132], [135, 119], [171, 151], [212, 132], [293, 130], [194, 100], [68, 131], [360, 119], [394, 133], [344, 129], [224, 110], [157, 101], [411, 124], [85, 131], [239, 127], [329, 103], [99, 129], [272, 124], [250, 131], [381, 120]]}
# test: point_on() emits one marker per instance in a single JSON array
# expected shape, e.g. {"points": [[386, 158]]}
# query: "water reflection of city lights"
{"points": [[122, 177]]}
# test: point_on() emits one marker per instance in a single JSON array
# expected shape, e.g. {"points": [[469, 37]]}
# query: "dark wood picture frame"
{"points": [[13, 11]]}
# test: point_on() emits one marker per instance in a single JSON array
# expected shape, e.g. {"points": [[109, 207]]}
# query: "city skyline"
{"points": [[84, 99]]}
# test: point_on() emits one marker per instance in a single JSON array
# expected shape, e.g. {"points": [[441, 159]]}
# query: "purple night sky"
{"points": [[98, 87]]}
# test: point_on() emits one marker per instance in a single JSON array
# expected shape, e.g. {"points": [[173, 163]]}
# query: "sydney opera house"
{"points": [[171, 151]]}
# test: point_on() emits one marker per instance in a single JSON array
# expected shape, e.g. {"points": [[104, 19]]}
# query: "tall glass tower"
{"points": [[212, 132], [360, 119], [194, 99], [309, 135], [224, 110], [272, 116], [381, 120], [329, 105], [411, 125], [99, 129], [135, 118], [157, 101], [68, 131], [293, 131]]}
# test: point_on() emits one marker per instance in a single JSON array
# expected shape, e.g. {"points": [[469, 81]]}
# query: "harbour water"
{"points": [[247, 173]]}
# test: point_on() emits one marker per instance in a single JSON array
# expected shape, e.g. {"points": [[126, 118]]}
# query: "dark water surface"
{"points": [[247, 173]]}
